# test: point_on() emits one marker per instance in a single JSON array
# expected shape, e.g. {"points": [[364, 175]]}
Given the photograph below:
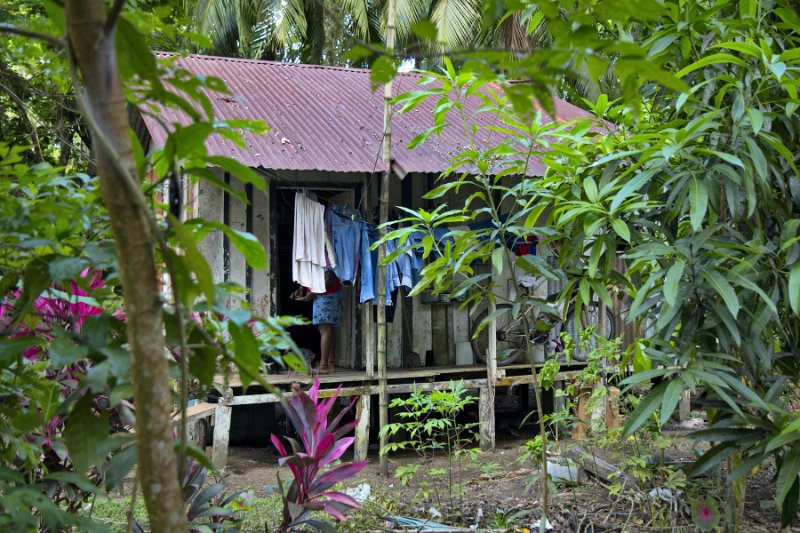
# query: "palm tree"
{"points": [[320, 31], [229, 24], [296, 29]]}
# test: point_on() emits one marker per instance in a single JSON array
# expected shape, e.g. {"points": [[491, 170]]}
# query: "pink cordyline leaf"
{"points": [[296, 472], [314, 390], [336, 451], [334, 512], [335, 475], [278, 444], [342, 498], [334, 424]]}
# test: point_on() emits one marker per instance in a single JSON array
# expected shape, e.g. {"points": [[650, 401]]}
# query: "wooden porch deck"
{"points": [[357, 383]]}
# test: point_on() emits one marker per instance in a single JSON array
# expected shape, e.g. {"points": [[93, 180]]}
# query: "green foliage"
{"points": [[208, 507], [690, 180], [430, 426], [66, 372]]}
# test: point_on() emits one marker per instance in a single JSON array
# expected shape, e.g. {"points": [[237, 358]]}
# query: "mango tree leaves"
{"points": [[85, 434]]}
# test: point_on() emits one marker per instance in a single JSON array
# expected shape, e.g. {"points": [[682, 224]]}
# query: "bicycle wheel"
{"points": [[510, 336], [590, 317]]}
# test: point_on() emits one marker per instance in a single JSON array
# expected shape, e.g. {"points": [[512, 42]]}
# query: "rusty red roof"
{"points": [[324, 118]]}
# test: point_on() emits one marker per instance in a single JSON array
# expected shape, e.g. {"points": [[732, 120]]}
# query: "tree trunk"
{"points": [[95, 55], [315, 33]]}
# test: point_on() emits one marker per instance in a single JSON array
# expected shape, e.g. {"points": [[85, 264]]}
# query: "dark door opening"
{"points": [[308, 336]]}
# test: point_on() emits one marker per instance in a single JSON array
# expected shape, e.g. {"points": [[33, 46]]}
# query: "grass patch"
{"points": [[268, 510], [112, 511]]}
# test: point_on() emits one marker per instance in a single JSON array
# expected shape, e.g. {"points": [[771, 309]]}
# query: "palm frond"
{"points": [[409, 12], [457, 21], [217, 19], [290, 21], [360, 12]]}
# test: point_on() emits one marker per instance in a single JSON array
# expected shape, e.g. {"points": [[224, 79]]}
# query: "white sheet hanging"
{"points": [[308, 244]]}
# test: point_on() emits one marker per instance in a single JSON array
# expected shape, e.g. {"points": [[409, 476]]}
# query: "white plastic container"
{"points": [[463, 353]]}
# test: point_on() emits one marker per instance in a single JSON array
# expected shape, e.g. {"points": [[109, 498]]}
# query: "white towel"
{"points": [[308, 245]]}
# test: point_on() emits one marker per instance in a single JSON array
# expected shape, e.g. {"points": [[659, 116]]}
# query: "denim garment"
{"points": [[415, 254], [367, 272], [346, 235], [402, 266], [369, 269]]}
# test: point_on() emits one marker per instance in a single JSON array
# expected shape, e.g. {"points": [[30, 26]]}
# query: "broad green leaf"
{"points": [[63, 351], [790, 504], [743, 47], [497, 260], [630, 187], [698, 202], [238, 170], [194, 260], [756, 119], [713, 59], [672, 395], [247, 243], [723, 289], [757, 156], [794, 289], [787, 475], [647, 406], [621, 229], [590, 187], [781, 440], [672, 281], [85, 432], [712, 458]]}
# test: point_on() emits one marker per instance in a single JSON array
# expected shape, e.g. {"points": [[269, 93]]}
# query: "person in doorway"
{"points": [[326, 315]]}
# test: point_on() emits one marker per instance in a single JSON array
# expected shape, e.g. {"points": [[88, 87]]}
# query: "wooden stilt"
{"points": [[222, 430], [362, 428], [486, 413], [684, 405], [613, 418], [582, 414]]}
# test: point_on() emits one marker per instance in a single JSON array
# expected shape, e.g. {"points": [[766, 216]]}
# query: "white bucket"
{"points": [[464, 353]]}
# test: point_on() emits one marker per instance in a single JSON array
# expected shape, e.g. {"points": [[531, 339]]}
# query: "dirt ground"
{"points": [[495, 496]]}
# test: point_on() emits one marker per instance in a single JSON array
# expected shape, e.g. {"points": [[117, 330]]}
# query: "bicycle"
{"points": [[544, 326]]}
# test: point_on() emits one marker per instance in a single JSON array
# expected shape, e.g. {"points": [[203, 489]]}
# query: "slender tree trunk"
{"points": [[94, 52], [315, 32]]}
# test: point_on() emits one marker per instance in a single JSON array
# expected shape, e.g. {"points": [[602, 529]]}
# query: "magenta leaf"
{"points": [[336, 475], [321, 443], [278, 444], [342, 498], [336, 451]]}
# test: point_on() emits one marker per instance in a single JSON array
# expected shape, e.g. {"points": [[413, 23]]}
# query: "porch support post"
{"points": [[362, 427], [222, 431], [486, 408]]}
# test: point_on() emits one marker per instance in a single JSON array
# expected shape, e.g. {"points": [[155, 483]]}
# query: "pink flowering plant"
{"points": [[322, 442]]}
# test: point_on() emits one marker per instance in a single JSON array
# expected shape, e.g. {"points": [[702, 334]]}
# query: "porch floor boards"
{"points": [[356, 383], [351, 377]]}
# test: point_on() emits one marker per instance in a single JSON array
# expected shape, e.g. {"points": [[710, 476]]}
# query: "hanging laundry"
{"points": [[346, 237], [308, 244], [367, 271]]}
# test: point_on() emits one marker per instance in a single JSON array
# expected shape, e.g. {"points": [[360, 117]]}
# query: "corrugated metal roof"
{"points": [[323, 118]]}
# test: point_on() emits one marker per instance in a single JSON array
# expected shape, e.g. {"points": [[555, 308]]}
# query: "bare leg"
{"points": [[327, 343]]}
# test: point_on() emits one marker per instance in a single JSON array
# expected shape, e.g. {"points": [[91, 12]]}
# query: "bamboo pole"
{"points": [[367, 329], [383, 397]]}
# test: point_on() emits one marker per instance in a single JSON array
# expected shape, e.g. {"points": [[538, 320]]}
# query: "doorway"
{"points": [[307, 336]]}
